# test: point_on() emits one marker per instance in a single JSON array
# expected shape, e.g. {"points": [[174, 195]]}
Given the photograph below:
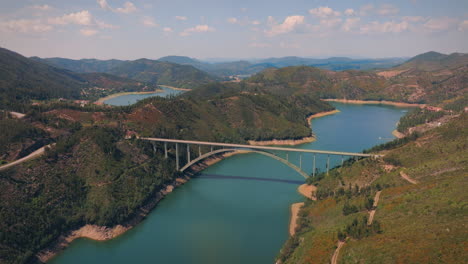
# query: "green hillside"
{"points": [[414, 223], [22, 79], [412, 85], [434, 61], [163, 73], [81, 66]]}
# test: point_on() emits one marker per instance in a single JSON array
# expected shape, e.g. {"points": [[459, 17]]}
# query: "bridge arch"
{"points": [[268, 154]]}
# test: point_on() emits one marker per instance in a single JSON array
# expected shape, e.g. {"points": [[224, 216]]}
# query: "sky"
{"points": [[132, 29]]}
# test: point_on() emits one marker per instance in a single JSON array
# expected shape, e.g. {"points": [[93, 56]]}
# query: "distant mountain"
{"points": [[433, 61], [81, 66], [23, 79], [160, 72], [169, 71]]}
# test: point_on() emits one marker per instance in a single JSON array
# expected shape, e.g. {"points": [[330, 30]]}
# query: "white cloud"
{"points": [[128, 7], [330, 23], [104, 25], [24, 26], [182, 18], [259, 45], [232, 20], [42, 7], [440, 24], [104, 5], [349, 12], [148, 22], [256, 22], [350, 24], [167, 29], [197, 29], [388, 10], [88, 32], [291, 23], [386, 27], [463, 26], [324, 12], [79, 18]]}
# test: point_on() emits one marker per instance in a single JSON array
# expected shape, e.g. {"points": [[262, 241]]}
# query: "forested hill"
{"points": [[421, 212], [22, 79], [158, 72], [434, 61], [407, 85], [81, 66]]}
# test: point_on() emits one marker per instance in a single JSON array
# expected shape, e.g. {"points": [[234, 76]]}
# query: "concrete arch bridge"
{"points": [[219, 148]]}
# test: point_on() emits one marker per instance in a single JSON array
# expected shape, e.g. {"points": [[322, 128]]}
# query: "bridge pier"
{"points": [[300, 161], [313, 168], [165, 150], [199, 150], [328, 164], [177, 155], [188, 153], [287, 156]]}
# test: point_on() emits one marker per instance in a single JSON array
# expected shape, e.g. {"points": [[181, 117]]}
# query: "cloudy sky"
{"points": [[131, 29]]}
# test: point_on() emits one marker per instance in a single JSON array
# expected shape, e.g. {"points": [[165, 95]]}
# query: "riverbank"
{"points": [[104, 233], [398, 134], [383, 102], [321, 114], [101, 101], [295, 208], [293, 142], [176, 88]]}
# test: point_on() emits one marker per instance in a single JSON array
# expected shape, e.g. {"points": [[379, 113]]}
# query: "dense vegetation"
{"points": [[22, 80], [418, 117], [414, 223], [60, 194]]}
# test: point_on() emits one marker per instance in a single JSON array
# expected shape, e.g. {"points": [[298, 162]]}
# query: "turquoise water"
{"points": [[129, 99], [241, 219]]}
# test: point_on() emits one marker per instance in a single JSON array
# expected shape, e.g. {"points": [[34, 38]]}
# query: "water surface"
{"points": [[128, 99], [239, 211]]}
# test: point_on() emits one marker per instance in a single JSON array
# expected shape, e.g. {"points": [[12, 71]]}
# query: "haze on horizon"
{"points": [[132, 29]]}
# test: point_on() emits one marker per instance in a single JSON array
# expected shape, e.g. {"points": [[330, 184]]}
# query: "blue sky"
{"points": [[134, 29]]}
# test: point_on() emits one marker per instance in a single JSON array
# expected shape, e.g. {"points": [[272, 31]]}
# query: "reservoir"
{"points": [[129, 99], [238, 210]]}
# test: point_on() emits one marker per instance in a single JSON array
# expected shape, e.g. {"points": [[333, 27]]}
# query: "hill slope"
{"points": [[158, 72], [22, 79], [414, 223], [81, 66], [434, 61]]}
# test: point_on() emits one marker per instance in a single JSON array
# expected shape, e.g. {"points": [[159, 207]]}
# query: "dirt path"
{"points": [[406, 177], [17, 115], [295, 208], [334, 259], [372, 212], [307, 190], [31, 156]]}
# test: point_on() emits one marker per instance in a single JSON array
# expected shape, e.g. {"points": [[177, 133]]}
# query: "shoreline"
{"points": [[175, 88], [307, 191], [294, 142], [104, 233], [100, 101], [383, 102], [398, 134]]}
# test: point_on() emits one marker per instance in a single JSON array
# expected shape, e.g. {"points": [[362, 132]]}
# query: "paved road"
{"points": [[31, 156]]}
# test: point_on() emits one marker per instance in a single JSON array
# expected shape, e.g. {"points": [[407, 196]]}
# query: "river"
{"points": [[238, 210]]}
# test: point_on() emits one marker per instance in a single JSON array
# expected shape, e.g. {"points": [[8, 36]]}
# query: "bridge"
{"points": [[263, 150]]}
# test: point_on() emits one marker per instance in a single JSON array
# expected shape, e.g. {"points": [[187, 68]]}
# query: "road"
{"points": [[31, 156]]}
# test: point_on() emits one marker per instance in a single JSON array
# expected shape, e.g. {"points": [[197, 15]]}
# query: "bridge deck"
{"points": [[260, 147]]}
